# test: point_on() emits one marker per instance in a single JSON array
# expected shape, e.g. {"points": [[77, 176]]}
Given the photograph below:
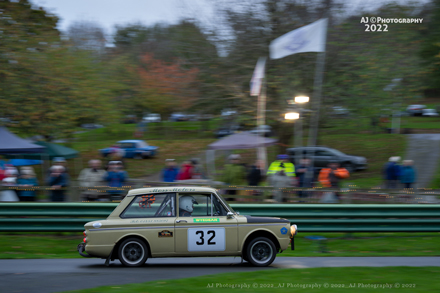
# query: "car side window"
{"points": [[323, 153], [151, 205], [200, 205]]}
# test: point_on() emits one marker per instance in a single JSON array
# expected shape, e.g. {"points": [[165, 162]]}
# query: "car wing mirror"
{"points": [[229, 215]]}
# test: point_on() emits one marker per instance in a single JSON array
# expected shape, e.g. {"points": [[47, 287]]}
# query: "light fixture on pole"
{"points": [[291, 116], [301, 99]]}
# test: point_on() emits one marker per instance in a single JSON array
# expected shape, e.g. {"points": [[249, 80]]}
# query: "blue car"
{"points": [[137, 149]]}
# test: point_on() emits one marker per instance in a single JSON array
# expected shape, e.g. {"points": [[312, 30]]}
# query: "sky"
{"points": [[108, 13]]}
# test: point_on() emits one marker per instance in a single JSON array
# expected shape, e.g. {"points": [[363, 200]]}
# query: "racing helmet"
{"points": [[186, 203]]}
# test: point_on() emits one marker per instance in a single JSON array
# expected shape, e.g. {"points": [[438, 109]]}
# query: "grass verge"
{"points": [[359, 279], [63, 245]]}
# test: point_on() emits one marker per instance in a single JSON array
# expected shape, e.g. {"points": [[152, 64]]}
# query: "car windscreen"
{"points": [[142, 144]]}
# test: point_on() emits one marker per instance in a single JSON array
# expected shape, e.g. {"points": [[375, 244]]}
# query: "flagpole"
{"points": [[261, 118], [316, 106]]}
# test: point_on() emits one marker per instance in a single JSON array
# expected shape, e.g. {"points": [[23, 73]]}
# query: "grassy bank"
{"points": [[358, 279], [63, 245]]}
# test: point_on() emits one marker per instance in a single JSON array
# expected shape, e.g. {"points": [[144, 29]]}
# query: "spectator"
{"points": [[280, 180], [234, 173], [282, 164], [117, 154], [198, 170], [186, 171], [2, 170], [170, 172], [115, 177], [89, 178], [305, 173], [391, 172], [10, 179], [408, 174], [331, 176], [27, 179], [255, 174], [57, 181], [59, 161]]}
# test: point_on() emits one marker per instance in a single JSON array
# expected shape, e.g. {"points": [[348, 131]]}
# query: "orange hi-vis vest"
{"points": [[324, 179]]}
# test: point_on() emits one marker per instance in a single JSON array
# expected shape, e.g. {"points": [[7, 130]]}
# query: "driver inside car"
{"points": [[186, 205]]}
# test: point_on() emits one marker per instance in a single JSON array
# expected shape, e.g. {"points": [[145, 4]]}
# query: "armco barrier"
{"points": [[70, 217]]}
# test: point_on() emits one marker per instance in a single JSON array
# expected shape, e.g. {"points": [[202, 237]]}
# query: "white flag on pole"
{"points": [[257, 77], [309, 38]]}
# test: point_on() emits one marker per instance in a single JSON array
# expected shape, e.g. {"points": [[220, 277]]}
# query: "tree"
{"points": [[47, 88], [166, 87], [87, 35], [430, 48]]}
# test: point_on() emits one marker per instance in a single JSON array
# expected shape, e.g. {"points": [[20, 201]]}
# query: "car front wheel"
{"points": [[133, 252], [349, 167], [261, 252]]}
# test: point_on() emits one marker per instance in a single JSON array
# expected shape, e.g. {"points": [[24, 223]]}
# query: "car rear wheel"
{"points": [[133, 252], [261, 252], [138, 156]]}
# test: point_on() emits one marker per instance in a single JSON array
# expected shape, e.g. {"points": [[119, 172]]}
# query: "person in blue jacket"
{"points": [[391, 172], [408, 174], [115, 177], [57, 182], [27, 179], [170, 172]]}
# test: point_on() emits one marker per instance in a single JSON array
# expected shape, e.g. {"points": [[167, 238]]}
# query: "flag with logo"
{"points": [[309, 38], [257, 77]]}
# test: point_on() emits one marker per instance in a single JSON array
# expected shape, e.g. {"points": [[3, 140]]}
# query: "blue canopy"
{"points": [[24, 162], [12, 144]]}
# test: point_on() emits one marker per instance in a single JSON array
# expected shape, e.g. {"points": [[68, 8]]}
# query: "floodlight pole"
{"points": [[316, 101]]}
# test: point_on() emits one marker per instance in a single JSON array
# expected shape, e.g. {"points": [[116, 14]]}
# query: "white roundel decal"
{"points": [[206, 239], [97, 225]]}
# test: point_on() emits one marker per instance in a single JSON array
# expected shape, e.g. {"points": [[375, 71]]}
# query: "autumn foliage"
{"points": [[167, 86]]}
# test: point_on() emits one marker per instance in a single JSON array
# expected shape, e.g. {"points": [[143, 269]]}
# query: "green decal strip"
{"points": [[206, 220]]}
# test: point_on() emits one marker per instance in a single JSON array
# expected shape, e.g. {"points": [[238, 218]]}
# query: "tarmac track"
{"points": [[55, 275]]}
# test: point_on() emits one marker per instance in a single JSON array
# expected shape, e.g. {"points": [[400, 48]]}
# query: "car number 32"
{"points": [[206, 239]]}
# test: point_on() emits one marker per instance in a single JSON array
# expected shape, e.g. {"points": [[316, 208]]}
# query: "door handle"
{"points": [[179, 221]]}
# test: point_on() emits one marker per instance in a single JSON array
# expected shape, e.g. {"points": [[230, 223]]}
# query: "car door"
{"points": [[206, 230], [322, 158], [153, 216]]}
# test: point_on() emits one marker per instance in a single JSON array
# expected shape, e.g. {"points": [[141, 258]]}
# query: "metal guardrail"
{"points": [[71, 217]]}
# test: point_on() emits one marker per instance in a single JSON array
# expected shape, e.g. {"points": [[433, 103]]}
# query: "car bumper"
{"points": [[361, 166]]}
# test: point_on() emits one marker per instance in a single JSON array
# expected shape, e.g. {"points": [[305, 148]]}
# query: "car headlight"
{"points": [[293, 230]]}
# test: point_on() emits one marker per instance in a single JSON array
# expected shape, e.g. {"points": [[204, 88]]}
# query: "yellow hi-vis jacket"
{"points": [[275, 167]]}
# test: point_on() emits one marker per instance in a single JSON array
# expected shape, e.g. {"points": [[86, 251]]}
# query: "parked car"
{"points": [[91, 126], [183, 222], [340, 111], [321, 156], [137, 149], [228, 112], [152, 118], [265, 130], [129, 119], [226, 130], [178, 117], [429, 113], [415, 110]]}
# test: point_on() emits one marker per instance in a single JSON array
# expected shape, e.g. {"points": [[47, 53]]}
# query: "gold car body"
{"points": [[214, 234]]}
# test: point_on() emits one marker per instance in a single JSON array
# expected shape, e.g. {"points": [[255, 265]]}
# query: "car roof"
{"points": [[138, 191], [129, 141]]}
